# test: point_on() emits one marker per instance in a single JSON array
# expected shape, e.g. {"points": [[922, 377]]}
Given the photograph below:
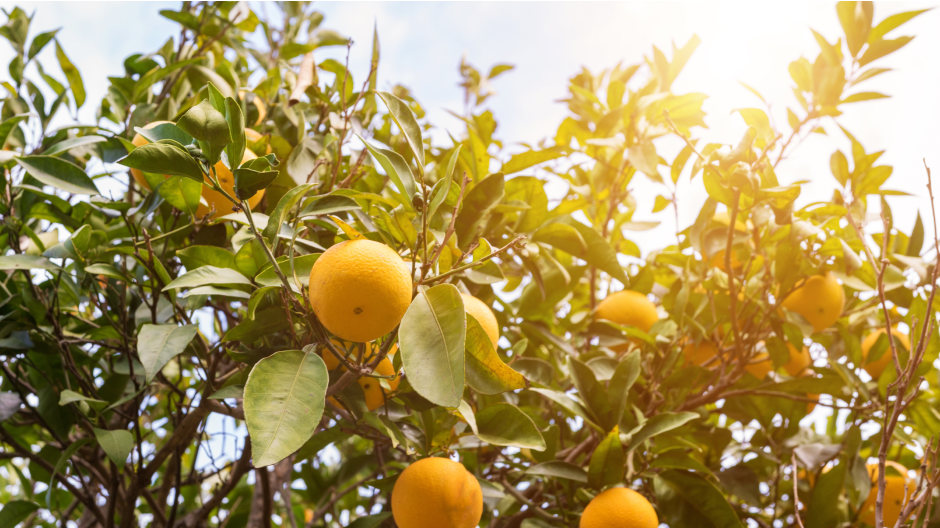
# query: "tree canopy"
{"points": [[171, 353]]}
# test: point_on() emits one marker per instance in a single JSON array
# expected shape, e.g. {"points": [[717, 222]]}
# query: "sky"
{"points": [[751, 42]]}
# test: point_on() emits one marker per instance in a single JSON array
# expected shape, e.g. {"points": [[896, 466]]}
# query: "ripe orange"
{"points": [[762, 367], [371, 387], [627, 308], [253, 136], [483, 314], [894, 496], [437, 493], [698, 354], [259, 107], [222, 205], [820, 300], [811, 405], [619, 508], [876, 367], [359, 290], [799, 360]]}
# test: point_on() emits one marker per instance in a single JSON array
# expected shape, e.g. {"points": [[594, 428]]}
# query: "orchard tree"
{"points": [[255, 292]]}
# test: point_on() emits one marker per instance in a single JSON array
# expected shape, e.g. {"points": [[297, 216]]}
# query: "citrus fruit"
{"points": [[483, 314], [760, 365], [627, 308], [799, 360], [812, 404], [140, 141], [894, 496], [259, 111], [253, 136], [371, 387], [437, 493], [359, 290], [698, 354], [820, 300], [876, 367], [222, 205], [619, 508]]}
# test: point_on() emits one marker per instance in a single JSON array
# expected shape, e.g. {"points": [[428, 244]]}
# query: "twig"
{"points": [[796, 494]]}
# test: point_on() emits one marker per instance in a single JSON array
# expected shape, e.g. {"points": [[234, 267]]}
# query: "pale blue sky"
{"points": [[549, 42]]}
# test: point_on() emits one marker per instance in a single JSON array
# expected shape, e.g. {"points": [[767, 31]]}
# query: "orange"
{"points": [[820, 300], [876, 367], [259, 105], [359, 290], [254, 136], [627, 308], [698, 354], [483, 314], [811, 405], [223, 205], [437, 493], [371, 387], [799, 361], [619, 508], [762, 367], [894, 500]]}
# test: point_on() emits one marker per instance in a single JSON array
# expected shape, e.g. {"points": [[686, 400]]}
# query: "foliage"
{"points": [[137, 335]]}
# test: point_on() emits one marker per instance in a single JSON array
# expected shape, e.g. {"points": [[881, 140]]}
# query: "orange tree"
{"points": [[412, 332]]}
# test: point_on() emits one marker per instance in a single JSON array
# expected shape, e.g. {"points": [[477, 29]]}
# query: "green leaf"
{"points": [[397, 169], [250, 258], [158, 344], [164, 157], [370, 521], [182, 193], [625, 375], [431, 338], [661, 203], [7, 126], [66, 397], [59, 173], [235, 151], [266, 322], [504, 424], [26, 262], [406, 121], [891, 23], [442, 187], [486, 372], [283, 208], [826, 492], [205, 123], [681, 159], [916, 241], [590, 391], [643, 156], [302, 265], [206, 275], [73, 76], [839, 167], [165, 131], [116, 444], [284, 400], [197, 256], [15, 512], [660, 424], [524, 160], [598, 252], [68, 144], [881, 47], [607, 461], [863, 96], [703, 496], [477, 204], [250, 181], [39, 42], [559, 469]]}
